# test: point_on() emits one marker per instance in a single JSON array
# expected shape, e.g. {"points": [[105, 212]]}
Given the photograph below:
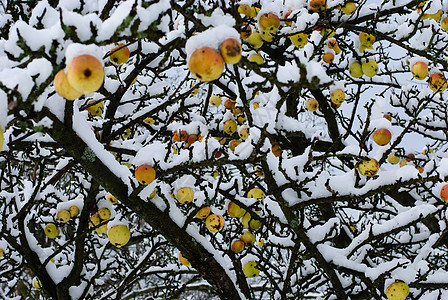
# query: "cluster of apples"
{"points": [[437, 81], [63, 216], [207, 64], [235, 211], [99, 219], [186, 138]]}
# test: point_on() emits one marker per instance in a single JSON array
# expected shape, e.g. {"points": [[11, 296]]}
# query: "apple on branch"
{"points": [[85, 73], [206, 64]]}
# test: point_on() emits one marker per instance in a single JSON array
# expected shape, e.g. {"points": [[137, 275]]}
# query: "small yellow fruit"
{"points": [[85, 73], [63, 87], [119, 235], [37, 284], [333, 44], [2, 252], [260, 243], [250, 223], [74, 211], [111, 198], [368, 167], [234, 210], [366, 39], [244, 133], [370, 67], [299, 40], [248, 238], [203, 212], [149, 121], [393, 159], [215, 100], [214, 223], [420, 70], [51, 231], [95, 109], [237, 246], [437, 82], [328, 57], [231, 51], [255, 40], [120, 54], [356, 70], [250, 269], [183, 260], [382, 136], [230, 127], [256, 58], [206, 64], [255, 193], [95, 220], [152, 195], [337, 97], [104, 213], [244, 9], [185, 195], [63, 216], [349, 8], [145, 174], [398, 290]]}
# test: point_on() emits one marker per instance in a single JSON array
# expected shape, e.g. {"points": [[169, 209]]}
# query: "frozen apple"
{"points": [[229, 127], [231, 51], [250, 269], [233, 144], [234, 210], [244, 133], [51, 231], [437, 82], [85, 73], [275, 148], [37, 284], [444, 193], [255, 40], [333, 44], [248, 238], [337, 97], [420, 70], [317, 5], [368, 167], [356, 69], [183, 260], [111, 198], [256, 58], [63, 216], [444, 24], [366, 39], [185, 195], [328, 57], [95, 108], [269, 22], [244, 9], [203, 212], [245, 31], [214, 100], [104, 213], [120, 54], [94, 220], [119, 235], [382, 136], [74, 211], [250, 223], [398, 290], [214, 223], [206, 64], [63, 87], [349, 8], [299, 40], [393, 159], [255, 193], [370, 67], [145, 174], [237, 246]]}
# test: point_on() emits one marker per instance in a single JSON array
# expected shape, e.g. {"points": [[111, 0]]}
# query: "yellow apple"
{"points": [[420, 70], [393, 159], [260, 243], [94, 220], [255, 40], [102, 229], [206, 64], [337, 97], [356, 70], [255, 193], [368, 167], [382, 136], [152, 195], [2, 138], [230, 126], [120, 54], [366, 39], [231, 51], [63, 88], [183, 260], [299, 40], [63, 216], [111, 198], [234, 210], [256, 58], [51, 231], [214, 223], [254, 11], [444, 193], [437, 82], [318, 5], [2, 252], [250, 269], [250, 223], [398, 290], [185, 195], [145, 174], [312, 104], [203, 212], [248, 238], [269, 22], [104, 213], [74, 211], [267, 36], [328, 57], [233, 144], [95, 109], [237, 246], [333, 44], [119, 235], [85, 73], [256, 105], [244, 9], [244, 133], [370, 67], [349, 8], [215, 100], [444, 24]]}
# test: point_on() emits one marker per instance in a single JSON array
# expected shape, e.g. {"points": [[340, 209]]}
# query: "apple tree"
{"points": [[272, 149]]}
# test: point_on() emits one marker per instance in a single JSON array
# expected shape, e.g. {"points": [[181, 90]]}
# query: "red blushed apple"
{"points": [[328, 57], [233, 144], [230, 104], [191, 139], [237, 246], [85, 73], [206, 64], [63, 87], [444, 193], [437, 82], [382, 136], [183, 136], [145, 174], [419, 70]]}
